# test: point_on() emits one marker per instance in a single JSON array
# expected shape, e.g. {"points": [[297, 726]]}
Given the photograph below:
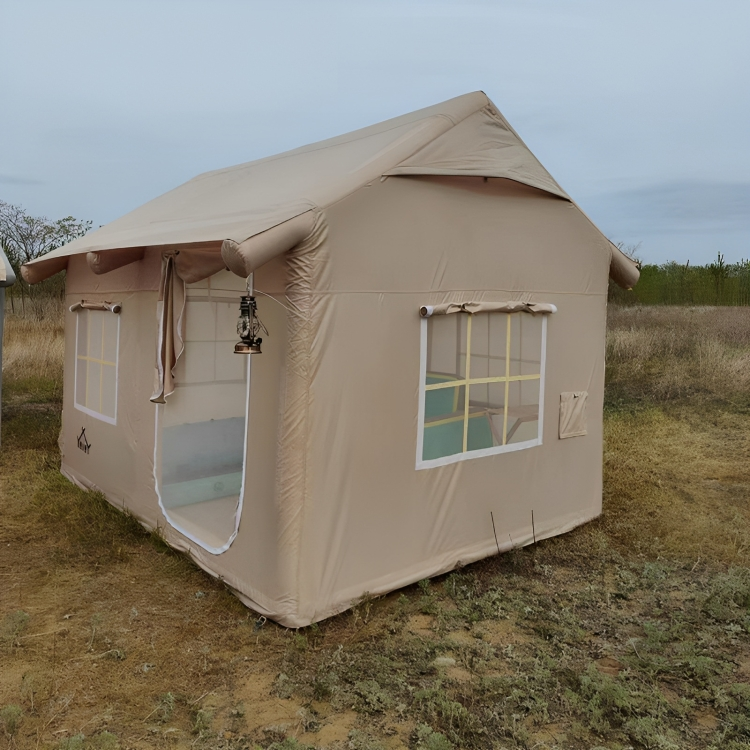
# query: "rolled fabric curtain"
{"points": [[169, 341], [113, 307], [449, 308]]}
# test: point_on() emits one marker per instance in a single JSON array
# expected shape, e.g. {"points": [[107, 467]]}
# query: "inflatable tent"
{"points": [[430, 390]]}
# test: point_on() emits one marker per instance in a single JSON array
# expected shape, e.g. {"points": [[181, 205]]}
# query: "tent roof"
{"points": [[462, 136], [7, 276]]}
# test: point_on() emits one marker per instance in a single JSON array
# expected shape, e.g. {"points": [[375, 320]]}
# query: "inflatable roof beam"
{"points": [[622, 270], [33, 273], [245, 257]]}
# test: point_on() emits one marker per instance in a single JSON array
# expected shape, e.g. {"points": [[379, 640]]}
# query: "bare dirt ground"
{"points": [[631, 632]]}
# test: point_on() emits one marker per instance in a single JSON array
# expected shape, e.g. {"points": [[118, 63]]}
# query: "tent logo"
{"points": [[83, 443]]}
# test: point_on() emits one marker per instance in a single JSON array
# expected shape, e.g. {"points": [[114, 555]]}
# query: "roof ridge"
{"points": [[342, 138]]}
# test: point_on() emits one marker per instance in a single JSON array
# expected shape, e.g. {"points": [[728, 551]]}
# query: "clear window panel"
{"points": [[93, 387], [200, 320], [504, 349], [83, 333], [95, 333], [488, 345], [226, 322], [526, 344], [229, 366], [446, 359], [197, 364], [81, 367], [443, 422], [523, 411], [109, 391], [485, 405], [109, 353]]}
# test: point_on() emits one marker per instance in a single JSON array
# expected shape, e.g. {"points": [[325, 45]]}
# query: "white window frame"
{"points": [[468, 455], [81, 407]]}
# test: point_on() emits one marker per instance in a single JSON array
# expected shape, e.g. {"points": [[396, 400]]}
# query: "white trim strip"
{"points": [[445, 460], [542, 367], [422, 379]]}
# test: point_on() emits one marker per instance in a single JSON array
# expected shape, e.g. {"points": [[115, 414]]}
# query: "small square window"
{"points": [[97, 349], [482, 382]]}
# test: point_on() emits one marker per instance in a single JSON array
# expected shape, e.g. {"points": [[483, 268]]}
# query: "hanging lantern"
{"points": [[249, 324]]}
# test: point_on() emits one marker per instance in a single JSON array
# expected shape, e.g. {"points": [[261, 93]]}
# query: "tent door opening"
{"points": [[201, 431]]}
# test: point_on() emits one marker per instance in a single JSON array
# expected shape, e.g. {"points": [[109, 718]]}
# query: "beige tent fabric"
{"points": [[198, 263], [308, 270], [44, 267], [239, 202], [333, 506], [573, 414], [449, 308], [169, 342], [484, 145], [145, 274], [101, 263], [623, 271], [242, 259]]}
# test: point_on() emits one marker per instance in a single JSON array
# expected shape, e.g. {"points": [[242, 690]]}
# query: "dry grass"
{"points": [[669, 353], [33, 350], [632, 631]]}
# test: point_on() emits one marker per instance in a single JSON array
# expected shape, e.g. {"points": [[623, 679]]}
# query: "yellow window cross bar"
{"points": [[478, 381]]}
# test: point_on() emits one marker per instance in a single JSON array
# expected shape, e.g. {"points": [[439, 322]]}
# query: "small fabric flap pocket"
{"points": [[573, 413]]}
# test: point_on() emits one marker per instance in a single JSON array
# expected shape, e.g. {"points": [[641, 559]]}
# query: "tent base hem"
{"points": [[435, 566], [271, 609]]}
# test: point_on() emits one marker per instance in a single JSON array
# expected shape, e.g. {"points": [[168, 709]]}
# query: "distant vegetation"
{"points": [[672, 283], [24, 237]]}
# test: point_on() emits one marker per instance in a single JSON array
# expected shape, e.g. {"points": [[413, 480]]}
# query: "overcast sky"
{"points": [[639, 109]]}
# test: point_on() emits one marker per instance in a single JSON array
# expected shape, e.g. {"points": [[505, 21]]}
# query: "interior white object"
{"points": [[200, 443], [499, 358], [97, 347]]}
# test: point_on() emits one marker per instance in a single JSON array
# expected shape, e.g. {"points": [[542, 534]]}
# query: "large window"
{"points": [[97, 335], [482, 384]]}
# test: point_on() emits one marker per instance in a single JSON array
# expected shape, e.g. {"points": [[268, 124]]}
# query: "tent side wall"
{"points": [[117, 457], [373, 522]]}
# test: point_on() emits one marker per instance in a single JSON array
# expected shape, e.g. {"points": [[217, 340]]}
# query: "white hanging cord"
{"points": [[288, 309]]}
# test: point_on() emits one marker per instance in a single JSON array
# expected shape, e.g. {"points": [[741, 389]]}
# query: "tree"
{"points": [[25, 237]]}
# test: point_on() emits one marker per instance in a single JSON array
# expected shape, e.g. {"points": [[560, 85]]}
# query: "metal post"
{"points": [[7, 278], [2, 319]]}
